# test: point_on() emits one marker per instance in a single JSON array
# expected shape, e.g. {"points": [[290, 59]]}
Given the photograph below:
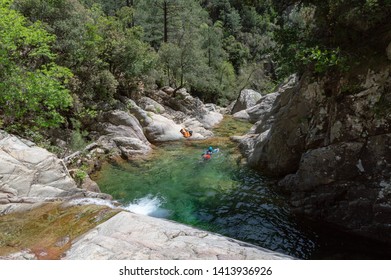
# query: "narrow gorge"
{"points": [[186, 129]]}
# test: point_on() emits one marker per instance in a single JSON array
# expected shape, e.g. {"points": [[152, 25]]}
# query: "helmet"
{"points": [[210, 149]]}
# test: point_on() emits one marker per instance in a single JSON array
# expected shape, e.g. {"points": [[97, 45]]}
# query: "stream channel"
{"points": [[224, 196]]}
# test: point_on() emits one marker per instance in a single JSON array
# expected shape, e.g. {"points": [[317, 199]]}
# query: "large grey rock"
{"points": [[261, 112], [199, 130], [330, 141], [325, 165], [347, 184], [129, 236], [151, 105], [30, 175], [122, 134], [262, 108], [241, 115], [156, 127], [276, 135], [131, 146], [247, 98], [190, 107], [210, 119], [160, 128], [121, 123]]}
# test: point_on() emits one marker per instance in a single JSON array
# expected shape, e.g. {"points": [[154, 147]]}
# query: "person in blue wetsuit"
{"points": [[208, 153]]}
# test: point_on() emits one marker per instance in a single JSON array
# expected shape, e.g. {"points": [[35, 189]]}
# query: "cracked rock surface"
{"points": [[30, 175], [133, 236]]}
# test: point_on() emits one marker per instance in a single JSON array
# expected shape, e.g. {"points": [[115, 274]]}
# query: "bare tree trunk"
{"points": [[130, 4], [209, 49], [165, 13], [168, 75]]}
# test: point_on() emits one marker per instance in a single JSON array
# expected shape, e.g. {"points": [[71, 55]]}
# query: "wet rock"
{"points": [[22, 255], [90, 185]]}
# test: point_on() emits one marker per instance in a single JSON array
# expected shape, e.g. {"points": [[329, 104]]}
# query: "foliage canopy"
{"points": [[32, 85]]}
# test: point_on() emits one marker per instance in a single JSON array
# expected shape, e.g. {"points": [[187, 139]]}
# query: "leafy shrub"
{"points": [[32, 86], [79, 176], [323, 60]]}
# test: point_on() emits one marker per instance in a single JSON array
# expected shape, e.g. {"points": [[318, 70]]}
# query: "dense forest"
{"points": [[62, 62]]}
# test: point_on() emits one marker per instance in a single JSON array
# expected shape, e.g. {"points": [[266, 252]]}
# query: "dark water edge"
{"points": [[334, 244], [230, 199]]}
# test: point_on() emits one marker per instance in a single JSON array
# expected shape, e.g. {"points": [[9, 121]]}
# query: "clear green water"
{"points": [[220, 195]]}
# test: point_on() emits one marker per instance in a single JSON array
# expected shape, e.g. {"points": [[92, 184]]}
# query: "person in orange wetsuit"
{"points": [[186, 133]]}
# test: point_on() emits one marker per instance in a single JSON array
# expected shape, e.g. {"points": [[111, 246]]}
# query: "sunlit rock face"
{"points": [[30, 175], [37, 193], [132, 236]]}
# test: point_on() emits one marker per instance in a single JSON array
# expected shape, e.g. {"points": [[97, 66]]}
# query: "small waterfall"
{"points": [[148, 205]]}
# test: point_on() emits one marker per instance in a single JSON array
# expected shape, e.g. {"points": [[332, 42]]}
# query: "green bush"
{"points": [[79, 176], [32, 86], [323, 60]]}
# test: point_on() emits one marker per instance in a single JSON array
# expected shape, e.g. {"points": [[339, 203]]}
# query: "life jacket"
{"points": [[186, 133], [206, 156]]}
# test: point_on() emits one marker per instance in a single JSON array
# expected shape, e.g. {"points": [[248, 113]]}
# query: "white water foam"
{"points": [[148, 205]]}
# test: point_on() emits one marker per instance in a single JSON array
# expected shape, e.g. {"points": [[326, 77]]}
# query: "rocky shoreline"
{"points": [[32, 178], [328, 144]]}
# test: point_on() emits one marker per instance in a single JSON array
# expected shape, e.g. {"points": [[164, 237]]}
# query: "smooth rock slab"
{"points": [[132, 236], [28, 171], [30, 175]]}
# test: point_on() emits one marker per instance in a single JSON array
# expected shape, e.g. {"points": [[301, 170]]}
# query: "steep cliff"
{"points": [[329, 139]]}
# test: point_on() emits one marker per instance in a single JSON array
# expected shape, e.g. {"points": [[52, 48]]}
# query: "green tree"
{"points": [[128, 58], [78, 43], [212, 43], [330, 35], [106, 56], [31, 84], [160, 19], [182, 56]]}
